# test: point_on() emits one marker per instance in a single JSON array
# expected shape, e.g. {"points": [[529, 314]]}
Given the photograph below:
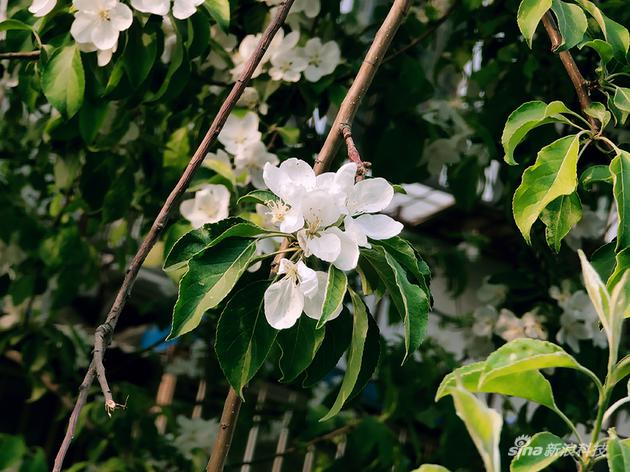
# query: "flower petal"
{"points": [[283, 302], [293, 221], [355, 231], [308, 279], [325, 246], [121, 17], [349, 254], [379, 226], [314, 303], [320, 208], [370, 196]]}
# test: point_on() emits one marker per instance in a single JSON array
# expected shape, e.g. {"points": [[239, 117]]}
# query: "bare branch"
{"points": [[105, 331], [20, 55], [362, 81], [353, 152], [579, 82]]}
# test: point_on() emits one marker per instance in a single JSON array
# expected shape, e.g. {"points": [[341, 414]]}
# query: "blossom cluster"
{"points": [[327, 216]]}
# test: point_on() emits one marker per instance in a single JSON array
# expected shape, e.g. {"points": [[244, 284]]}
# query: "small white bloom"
{"points": [[182, 9], [572, 331], [210, 204], [246, 49], [485, 318], [239, 132], [284, 300], [492, 294], [288, 62], [310, 8], [322, 59], [510, 327], [99, 22], [42, 7], [252, 160]]}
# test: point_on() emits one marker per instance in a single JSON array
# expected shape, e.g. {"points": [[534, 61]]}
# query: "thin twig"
{"points": [[19, 55], [347, 110], [353, 152], [579, 82], [359, 87], [104, 332]]}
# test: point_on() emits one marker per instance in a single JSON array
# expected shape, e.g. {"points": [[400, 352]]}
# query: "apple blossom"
{"points": [[210, 204], [42, 7], [99, 22], [252, 160], [322, 59], [287, 62], [284, 299], [182, 9], [103, 56], [239, 132]]}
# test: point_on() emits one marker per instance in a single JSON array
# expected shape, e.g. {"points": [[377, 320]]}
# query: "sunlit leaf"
{"points": [[63, 79], [530, 12], [336, 285], [572, 23], [551, 446], [559, 217]]}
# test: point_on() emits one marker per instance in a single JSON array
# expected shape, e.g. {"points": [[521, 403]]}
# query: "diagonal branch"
{"points": [[342, 122], [579, 82], [105, 331]]}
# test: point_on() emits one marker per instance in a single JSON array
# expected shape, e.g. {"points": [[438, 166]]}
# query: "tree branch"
{"points": [[347, 110], [105, 331], [19, 55], [362, 81], [579, 82]]}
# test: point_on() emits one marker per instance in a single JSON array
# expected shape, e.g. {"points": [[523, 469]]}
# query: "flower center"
{"points": [[104, 15], [277, 211]]}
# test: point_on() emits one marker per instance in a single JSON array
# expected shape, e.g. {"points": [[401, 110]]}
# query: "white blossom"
{"points": [[99, 22], [510, 327], [170, 39], [182, 9], [210, 204], [322, 59], [246, 49], [252, 160], [239, 132], [310, 8], [492, 294], [579, 320], [485, 318], [103, 56], [287, 61], [42, 7]]}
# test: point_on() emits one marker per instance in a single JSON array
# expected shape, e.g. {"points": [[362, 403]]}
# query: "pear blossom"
{"points": [[99, 22], [287, 61], [182, 9], [210, 204], [239, 132], [322, 59], [284, 299], [252, 160], [42, 7], [510, 327], [246, 49]]}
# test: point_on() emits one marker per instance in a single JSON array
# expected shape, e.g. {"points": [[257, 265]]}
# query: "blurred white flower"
{"points": [[210, 204], [492, 294], [470, 250], [99, 22], [246, 49], [42, 7], [440, 153], [103, 56], [251, 99], [310, 8], [170, 39], [239, 132], [510, 327], [194, 433], [485, 317], [591, 226], [252, 160], [322, 59], [579, 320], [287, 61]]}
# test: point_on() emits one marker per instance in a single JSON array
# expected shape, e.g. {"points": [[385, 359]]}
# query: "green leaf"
{"points": [[554, 174], [336, 341], [599, 112], [572, 23], [220, 11], [258, 196], [618, 452], [410, 300], [620, 171], [177, 152], [406, 255], [559, 217], [622, 265], [525, 354], [176, 75], [63, 80], [211, 276], [530, 12], [531, 385], [483, 424], [550, 446], [207, 236], [336, 285], [597, 173], [371, 355], [244, 337], [525, 118], [290, 135], [355, 354], [12, 448], [16, 25], [298, 344], [622, 99], [601, 47], [616, 35], [91, 118], [431, 468], [140, 54]]}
